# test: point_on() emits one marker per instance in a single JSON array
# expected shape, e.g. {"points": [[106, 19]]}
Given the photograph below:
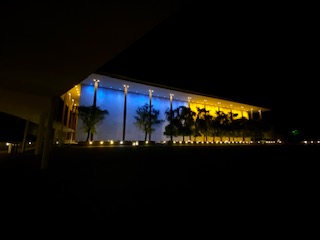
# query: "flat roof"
{"points": [[116, 82]]}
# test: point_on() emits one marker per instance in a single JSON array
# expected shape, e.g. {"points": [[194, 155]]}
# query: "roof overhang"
{"points": [[136, 86]]}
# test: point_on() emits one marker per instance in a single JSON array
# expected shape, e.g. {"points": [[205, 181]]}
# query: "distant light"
{"points": [[101, 142], [90, 142]]}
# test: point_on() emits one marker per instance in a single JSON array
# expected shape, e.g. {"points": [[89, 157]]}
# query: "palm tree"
{"points": [[220, 123], [91, 117], [172, 129], [230, 126], [187, 121], [181, 122], [203, 122], [242, 127], [145, 120]]}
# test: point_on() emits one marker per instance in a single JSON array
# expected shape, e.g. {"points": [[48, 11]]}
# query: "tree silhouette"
{"points": [[182, 122], [143, 118], [91, 117], [203, 122]]}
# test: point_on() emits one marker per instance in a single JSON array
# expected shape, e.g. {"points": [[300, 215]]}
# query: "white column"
{"points": [[150, 109], [25, 135], [96, 85], [189, 98], [61, 137], [124, 112], [48, 138], [171, 116], [40, 133], [260, 114], [68, 105]]}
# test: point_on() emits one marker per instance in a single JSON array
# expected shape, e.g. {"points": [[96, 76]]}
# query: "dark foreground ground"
{"points": [[165, 183]]}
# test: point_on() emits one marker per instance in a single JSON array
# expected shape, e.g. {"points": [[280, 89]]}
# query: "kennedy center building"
{"points": [[121, 97]]}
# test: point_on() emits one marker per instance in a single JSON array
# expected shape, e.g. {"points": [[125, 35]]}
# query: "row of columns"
{"points": [[45, 133], [96, 85], [69, 118]]}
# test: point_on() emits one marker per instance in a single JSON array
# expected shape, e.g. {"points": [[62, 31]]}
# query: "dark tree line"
{"points": [[183, 122]]}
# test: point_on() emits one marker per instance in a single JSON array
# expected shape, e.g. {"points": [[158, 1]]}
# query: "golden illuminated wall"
{"points": [[213, 109]]}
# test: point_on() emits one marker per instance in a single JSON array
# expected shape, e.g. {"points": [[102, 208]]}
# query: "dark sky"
{"points": [[259, 53]]}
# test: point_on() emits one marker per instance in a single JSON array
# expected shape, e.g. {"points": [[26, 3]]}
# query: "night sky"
{"points": [[262, 54]]}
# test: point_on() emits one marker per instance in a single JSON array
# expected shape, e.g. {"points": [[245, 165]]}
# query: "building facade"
{"points": [[121, 97]]}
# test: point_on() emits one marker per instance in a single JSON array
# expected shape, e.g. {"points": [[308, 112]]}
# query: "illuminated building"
{"points": [[122, 96]]}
